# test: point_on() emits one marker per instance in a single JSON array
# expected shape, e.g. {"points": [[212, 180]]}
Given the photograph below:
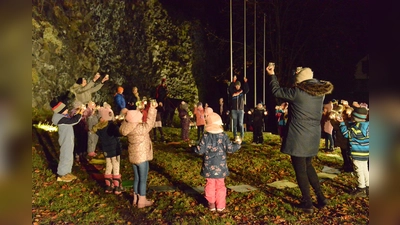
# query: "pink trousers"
{"points": [[215, 192]]}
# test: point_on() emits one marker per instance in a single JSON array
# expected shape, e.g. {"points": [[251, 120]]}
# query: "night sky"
{"points": [[327, 36]]}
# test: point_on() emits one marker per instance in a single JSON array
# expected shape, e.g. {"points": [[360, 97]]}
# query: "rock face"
{"points": [[136, 42]]}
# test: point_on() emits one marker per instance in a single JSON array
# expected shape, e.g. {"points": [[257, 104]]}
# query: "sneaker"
{"points": [[70, 175], [211, 206], [221, 209], [64, 178], [359, 192]]}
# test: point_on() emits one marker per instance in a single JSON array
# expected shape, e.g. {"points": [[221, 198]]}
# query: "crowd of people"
{"points": [[302, 120]]}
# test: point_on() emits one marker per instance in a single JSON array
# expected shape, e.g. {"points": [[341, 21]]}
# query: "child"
{"points": [[140, 150], [281, 115], [108, 133], [185, 120], [341, 141], [327, 128], [80, 133], [214, 147], [258, 123], [358, 134], [66, 139], [200, 121], [158, 123], [91, 116]]}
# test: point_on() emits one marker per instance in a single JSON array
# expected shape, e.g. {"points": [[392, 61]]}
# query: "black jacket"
{"points": [[237, 102]]}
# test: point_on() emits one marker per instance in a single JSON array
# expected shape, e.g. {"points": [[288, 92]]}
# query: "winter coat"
{"points": [[140, 147], [84, 94], [214, 148], [108, 133], [199, 113], [120, 103], [358, 135], [304, 115]]}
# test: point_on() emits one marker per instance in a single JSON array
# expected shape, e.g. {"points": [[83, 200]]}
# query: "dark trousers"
{"points": [[155, 133], [200, 131], [258, 133], [306, 176]]}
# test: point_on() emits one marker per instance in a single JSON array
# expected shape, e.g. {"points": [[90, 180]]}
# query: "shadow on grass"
{"points": [[49, 150], [180, 185]]}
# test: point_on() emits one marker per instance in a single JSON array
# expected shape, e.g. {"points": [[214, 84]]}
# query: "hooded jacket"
{"points": [[140, 147], [304, 115]]}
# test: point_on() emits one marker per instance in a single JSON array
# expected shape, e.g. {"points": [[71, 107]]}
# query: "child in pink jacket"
{"points": [[200, 120]]}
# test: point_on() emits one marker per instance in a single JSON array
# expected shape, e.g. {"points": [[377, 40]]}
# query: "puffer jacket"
{"points": [[140, 147], [305, 99]]}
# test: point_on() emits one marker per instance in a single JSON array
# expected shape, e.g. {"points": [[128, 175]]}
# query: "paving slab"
{"points": [[330, 170], [326, 175], [242, 188], [163, 188], [334, 156], [281, 184]]}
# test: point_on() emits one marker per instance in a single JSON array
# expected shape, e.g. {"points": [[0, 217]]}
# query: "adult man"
{"points": [[237, 105], [303, 134]]}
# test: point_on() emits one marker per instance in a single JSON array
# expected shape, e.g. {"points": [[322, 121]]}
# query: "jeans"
{"points": [[237, 116], [328, 140], [140, 177]]}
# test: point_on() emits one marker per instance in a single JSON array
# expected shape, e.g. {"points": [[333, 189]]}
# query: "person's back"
{"points": [[303, 135], [215, 167]]}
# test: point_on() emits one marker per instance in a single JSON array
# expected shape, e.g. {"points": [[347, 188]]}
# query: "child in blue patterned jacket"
{"points": [[357, 132], [214, 146]]}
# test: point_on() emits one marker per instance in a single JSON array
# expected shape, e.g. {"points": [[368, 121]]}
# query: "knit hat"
{"points": [[80, 80], [359, 114], [134, 116], [213, 124], [304, 74], [58, 107], [106, 113]]}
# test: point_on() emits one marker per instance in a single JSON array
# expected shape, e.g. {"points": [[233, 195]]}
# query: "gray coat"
{"points": [[305, 99]]}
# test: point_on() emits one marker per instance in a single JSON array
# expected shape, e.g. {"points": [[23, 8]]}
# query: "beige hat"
{"points": [[213, 124], [134, 116], [304, 74]]}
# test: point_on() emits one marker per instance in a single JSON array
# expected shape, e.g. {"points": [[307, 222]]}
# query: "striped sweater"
{"points": [[358, 135]]}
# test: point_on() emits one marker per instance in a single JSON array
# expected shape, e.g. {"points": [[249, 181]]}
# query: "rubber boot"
{"points": [[135, 199], [117, 184], [109, 183], [143, 202]]}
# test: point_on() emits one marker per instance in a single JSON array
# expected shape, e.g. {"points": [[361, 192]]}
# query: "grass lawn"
{"points": [[83, 201]]}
